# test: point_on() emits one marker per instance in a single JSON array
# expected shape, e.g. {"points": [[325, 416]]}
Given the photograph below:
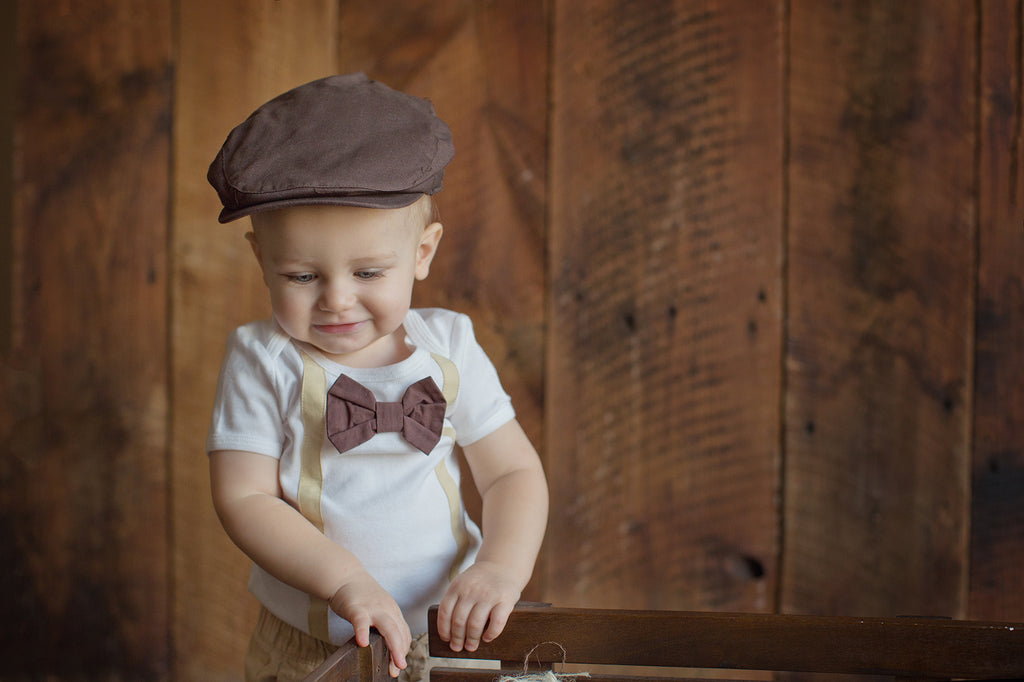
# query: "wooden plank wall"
{"points": [[881, 270], [997, 462], [84, 488], [749, 268], [666, 299]]}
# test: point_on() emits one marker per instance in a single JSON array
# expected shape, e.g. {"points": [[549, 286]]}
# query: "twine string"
{"points": [[542, 675]]}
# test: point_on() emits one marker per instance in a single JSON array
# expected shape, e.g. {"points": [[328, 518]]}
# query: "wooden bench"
{"points": [[907, 648]]}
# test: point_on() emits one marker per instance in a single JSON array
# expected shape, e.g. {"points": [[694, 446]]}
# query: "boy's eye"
{"points": [[369, 274], [303, 278]]}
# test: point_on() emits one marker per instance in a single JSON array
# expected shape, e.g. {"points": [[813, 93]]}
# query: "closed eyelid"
{"points": [[301, 277]]}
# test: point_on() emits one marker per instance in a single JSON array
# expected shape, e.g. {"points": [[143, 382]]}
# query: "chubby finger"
{"points": [[398, 640], [362, 631], [397, 661], [475, 625], [498, 620], [444, 617], [459, 621]]}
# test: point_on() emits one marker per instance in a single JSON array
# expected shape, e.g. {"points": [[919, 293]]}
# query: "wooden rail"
{"points": [[901, 647]]}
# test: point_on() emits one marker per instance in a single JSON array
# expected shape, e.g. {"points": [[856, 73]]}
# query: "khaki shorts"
{"points": [[279, 652]]}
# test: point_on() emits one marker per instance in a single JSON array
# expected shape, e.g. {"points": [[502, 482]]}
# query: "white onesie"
{"points": [[399, 511]]}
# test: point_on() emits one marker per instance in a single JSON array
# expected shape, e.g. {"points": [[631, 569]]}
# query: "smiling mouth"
{"points": [[339, 328]]}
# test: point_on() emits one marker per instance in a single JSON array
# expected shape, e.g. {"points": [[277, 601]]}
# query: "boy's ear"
{"points": [[427, 249]]}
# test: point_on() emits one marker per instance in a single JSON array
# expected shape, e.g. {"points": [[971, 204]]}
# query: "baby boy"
{"points": [[332, 439]]}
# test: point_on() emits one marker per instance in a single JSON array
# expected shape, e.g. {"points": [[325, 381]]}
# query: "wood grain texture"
{"points": [[881, 248], [8, 93], [997, 509], [233, 56], [83, 411], [665, 309]]}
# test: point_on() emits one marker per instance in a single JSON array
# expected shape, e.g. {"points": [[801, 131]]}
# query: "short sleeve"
{"points": [[246, 412], [482, 405]]}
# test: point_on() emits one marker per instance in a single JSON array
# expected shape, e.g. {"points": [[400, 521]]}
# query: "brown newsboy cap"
{"points": [[342, 140]]}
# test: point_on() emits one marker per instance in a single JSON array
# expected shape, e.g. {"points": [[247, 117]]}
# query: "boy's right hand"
{"points": [[365, 604]]}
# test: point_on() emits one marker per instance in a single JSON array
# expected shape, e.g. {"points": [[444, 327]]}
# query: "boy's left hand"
{"points": [[481, 596]]}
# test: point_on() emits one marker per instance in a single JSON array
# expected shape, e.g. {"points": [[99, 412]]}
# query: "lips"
{"points": [[344, 328]]}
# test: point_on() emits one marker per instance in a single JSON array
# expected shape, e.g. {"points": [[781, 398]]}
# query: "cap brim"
{"points": [[381, 200]]}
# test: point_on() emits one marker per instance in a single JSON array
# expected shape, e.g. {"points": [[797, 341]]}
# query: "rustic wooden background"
{"points": [[751, 270]]}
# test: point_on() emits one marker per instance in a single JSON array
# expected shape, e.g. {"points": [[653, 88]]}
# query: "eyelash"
{"points": [[362, 275]]}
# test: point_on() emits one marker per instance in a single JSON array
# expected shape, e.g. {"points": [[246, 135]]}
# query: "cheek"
{"points": [[392, 299], [288, 303]]}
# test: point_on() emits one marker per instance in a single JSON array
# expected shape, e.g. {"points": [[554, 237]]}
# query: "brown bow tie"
{"points": [[354, 415]]}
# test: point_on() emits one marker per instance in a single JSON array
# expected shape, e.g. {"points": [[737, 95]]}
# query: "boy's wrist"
{"points": [[343, 574], [346, 583], [515, 577]]}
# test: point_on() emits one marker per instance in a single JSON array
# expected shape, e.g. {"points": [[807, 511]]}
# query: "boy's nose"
{"points": [[336, 298]]}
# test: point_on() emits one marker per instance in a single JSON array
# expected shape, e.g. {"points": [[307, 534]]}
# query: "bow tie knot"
{"points": [[389, 417], [354, 415]]}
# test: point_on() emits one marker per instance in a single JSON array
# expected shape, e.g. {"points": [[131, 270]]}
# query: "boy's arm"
{"points": [[247, 497], [509, 476]]}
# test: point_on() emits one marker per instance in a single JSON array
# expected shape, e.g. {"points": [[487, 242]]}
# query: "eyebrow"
{"points": [[387, 257], [371, 259]]}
